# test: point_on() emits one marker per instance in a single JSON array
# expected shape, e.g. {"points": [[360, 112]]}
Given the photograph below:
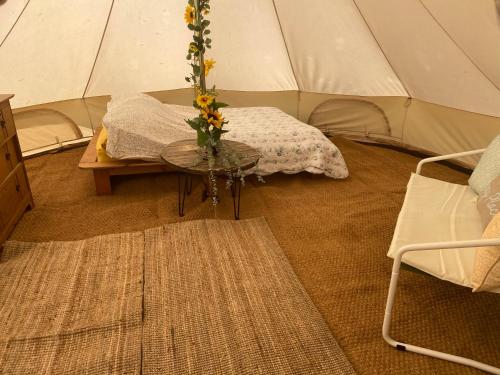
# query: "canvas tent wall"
{"points": [[421, 73]]}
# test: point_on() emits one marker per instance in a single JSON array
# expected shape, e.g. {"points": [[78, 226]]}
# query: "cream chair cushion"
{"points": [[435, 211]]}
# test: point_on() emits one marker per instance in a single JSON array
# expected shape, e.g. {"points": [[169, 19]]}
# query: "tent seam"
{"points": [[15, 23], [408, 93], [98, 49], [289, 57], [457, 45], [381, 49]]}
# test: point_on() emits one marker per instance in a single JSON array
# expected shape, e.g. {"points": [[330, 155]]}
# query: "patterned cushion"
{"points": [[488, 204], [487, 169], [486, 273]]}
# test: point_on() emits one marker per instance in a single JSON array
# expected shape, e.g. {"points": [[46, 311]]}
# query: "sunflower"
{"points": [[204, 100], [209, 65], [213, 117], [189, 14]]}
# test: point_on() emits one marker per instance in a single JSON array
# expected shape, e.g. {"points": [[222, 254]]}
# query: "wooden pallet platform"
{"points": [[104, 170]]}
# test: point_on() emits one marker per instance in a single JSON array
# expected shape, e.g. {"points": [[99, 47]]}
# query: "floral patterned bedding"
{"points": [[139, 127]]}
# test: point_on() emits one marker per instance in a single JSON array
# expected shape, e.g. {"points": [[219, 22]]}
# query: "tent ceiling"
{"points": [[143, 40], [252, 57], [10, 11], [48, 56], [443, 53], [417, 48], [474, 27], [431, 65], [333, 50], [151, 47]]}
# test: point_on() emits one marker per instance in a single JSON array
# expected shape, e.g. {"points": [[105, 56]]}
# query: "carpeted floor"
{"points": [[334, 233]]}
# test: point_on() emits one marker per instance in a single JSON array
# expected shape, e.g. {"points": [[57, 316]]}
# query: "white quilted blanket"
{"points": [[139, 127]]}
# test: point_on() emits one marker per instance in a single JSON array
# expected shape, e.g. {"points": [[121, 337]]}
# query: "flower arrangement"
{"points": [[210, 122]]}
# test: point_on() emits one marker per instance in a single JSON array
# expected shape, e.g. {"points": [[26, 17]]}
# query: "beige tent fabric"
{"points": [[48, 124], [151, 47], [148, 48], [414, 124], [333, 51], [249, 48], [429, 63], [49, 54], [443, 130], [48, 127], [473, 26], [9, 12], [292, 55], [394, 108], [347, 115]]}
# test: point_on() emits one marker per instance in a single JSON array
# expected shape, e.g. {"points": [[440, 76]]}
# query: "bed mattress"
{"points": [[140, 127]]}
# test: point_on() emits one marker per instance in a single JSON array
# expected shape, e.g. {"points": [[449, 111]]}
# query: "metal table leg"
{"points": [[185, 187], [236, 193]]}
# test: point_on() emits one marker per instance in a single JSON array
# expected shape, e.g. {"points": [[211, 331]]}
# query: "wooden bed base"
{"points": [[104, 170]]}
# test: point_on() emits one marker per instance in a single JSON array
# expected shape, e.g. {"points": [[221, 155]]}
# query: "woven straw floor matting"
{"points": [[219, 297], [335, 234], [72, 307]]}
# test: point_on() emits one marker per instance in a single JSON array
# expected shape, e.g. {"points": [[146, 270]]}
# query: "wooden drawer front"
{"points": [[10, 198], [9, 158], [5, 166], [3, 128], [8, 127], [12, 155], [23, 183]]}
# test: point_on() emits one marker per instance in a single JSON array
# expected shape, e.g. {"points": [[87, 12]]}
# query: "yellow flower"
{"points": [[213, 117], [189, 14], [209, 65], [204, 100]]}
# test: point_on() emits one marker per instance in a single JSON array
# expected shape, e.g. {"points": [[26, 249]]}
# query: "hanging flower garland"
{"points": [[210, 122]]}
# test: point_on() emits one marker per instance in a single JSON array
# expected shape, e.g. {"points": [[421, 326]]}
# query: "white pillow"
{"points": [[487, 169]]}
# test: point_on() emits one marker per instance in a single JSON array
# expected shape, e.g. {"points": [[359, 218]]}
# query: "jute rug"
{"points": [[72, 307], [221, 298]]}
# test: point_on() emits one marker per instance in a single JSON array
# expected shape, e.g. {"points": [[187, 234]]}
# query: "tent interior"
{"points": [[383, 80], [416, 63]]}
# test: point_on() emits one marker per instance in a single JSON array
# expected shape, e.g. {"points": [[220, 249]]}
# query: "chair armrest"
{"points": [[443, 246], [447, 157]]}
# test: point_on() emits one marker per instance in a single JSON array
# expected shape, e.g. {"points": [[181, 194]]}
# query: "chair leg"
{"points": [[417, 349]]}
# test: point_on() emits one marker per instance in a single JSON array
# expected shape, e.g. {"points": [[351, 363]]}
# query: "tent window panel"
{"points": [[350, 115]]}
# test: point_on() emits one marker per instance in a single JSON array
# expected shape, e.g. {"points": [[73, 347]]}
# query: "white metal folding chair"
{"points": [[467, 245]]}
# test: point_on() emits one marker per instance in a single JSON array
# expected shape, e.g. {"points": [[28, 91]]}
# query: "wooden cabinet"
{"points": [[15, 192]]}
